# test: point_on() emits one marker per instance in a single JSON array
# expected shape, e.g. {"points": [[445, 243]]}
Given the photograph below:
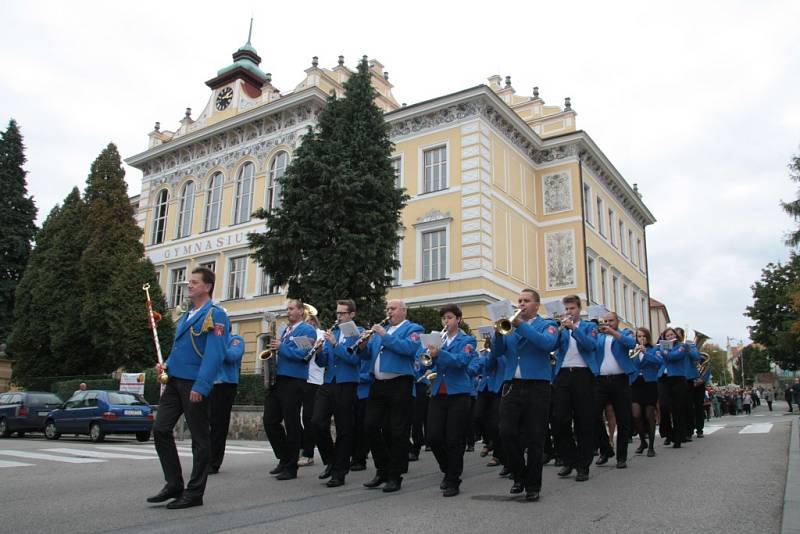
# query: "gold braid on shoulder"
{"points": [[208, 326]]}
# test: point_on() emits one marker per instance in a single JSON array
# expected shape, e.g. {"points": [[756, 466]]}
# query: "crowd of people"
{"points": [[534, 390]]}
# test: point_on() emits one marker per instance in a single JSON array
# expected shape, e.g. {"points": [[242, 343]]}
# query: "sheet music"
{"points": [[348, 329], [304, 342], [434, 339], [596, 311], [555, 308], [485, 331], [500, 310]]}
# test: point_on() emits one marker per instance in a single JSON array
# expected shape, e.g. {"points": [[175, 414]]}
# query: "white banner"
{"points": [[133, 382]]}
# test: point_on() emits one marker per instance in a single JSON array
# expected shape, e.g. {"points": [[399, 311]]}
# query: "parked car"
{"points": [[100, 412], [25, 411]]}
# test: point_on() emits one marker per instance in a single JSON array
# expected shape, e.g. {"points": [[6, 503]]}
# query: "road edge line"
{"points": [[790, 523]]}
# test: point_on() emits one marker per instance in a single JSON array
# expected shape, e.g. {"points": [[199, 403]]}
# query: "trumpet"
{"points": [[635, 352], [425, 359], [365, 337], [506, 324], [318, 345], [429, 375]]}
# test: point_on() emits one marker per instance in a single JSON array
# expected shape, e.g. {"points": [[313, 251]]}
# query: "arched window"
{"points": [[185, 209], [243, 201], [213, 202], [160, 217], [277, 168]]}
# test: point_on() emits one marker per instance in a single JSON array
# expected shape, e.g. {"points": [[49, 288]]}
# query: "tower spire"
{"points": [[250, 33]]}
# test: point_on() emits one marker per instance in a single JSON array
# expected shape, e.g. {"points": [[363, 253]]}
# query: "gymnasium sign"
{"points": [[198, 247]]}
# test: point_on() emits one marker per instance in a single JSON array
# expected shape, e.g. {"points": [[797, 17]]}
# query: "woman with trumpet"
{"points": [[449, 406], [672, 390], [644, 389]]}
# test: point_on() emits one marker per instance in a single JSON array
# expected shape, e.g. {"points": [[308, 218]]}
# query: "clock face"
{"points": [[224, 98]]}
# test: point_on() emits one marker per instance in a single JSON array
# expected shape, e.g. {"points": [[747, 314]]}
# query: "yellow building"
{"points": [[505, 193]]}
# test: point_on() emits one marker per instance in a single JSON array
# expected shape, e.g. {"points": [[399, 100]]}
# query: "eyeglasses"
{"points": [[343, 313]]}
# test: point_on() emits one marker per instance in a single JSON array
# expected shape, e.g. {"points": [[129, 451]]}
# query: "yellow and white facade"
{"points": [[505, 193]]}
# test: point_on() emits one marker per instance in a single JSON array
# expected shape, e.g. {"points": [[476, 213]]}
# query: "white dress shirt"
{"points": [[377, 370]]}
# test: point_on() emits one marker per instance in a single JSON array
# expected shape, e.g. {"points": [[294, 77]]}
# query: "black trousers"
{"points": [[573, 400], [419, 419], [616, 391], [309, 433], [221, 398], [486, 416], [695, 413], [524, 410], [360, 441], [448, 422], [174, 402], [282, 405], [672, 398], [389, 412], [337, 400]]}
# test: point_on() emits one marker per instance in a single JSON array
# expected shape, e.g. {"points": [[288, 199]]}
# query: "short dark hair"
{"points": [[572, 299], [533, 292], [451, 308], [208, 277], [350, 303]]}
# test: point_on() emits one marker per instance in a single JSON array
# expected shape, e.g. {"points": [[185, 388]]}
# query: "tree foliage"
{"points": [[80, 305], [793, 207], [17, 222], [755, 359], [774, 313], [719, 364], [335, 232]]}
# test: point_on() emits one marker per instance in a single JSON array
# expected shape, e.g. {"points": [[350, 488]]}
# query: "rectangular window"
{"points": [[590, 280], [434, 169], [397, 166], [615, 289], [601, 227], [604, 286], [626, 304], [434, 255], [267, 287], [611, 227], [645, 312], [639, 257], [396, 272], [237, 269], [211, 265], [631, 250], [177, 286], [636, 316], [587, 203], [621, 235], [158, 277]]}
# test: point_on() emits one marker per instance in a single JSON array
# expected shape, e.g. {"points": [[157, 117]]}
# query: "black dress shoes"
{"points": [[642, 446], [286, 475], [505, 472], [565, 471], [582, 476], [326, 473], [443, 485], [375, 482], [531, 496], [335, 482], [518, 487], [622, 464], [601, 460], [650, 453], [358, 467], [166, 494], [184, 501], [392, 486], [278, 469], [451, 490], [413, 456]]}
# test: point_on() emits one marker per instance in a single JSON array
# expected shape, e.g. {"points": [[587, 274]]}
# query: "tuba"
{"points": [[269, 357]]}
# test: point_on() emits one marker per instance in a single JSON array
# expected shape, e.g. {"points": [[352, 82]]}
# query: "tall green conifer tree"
{"points": [[17, 216], [334, 236]]}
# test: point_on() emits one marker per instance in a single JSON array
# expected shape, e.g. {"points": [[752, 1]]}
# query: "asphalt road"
{"points": [[732, 481]]}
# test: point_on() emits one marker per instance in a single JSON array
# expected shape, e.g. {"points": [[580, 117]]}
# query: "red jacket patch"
{"points": [[551, 329], [414, 336], [468, 349], [219, 329], [236, 342]]}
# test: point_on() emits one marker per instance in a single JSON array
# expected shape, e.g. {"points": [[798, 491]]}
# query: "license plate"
{"points": [[43, 413], [133, 412]]}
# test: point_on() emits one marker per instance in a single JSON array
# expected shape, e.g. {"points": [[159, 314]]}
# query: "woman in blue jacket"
{"points": [[644, 390], [672, 389], [449, 406]]}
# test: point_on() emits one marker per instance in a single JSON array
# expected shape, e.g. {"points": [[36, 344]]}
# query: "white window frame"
{"points": [[615, 287], [601, 213], [185, 210], [397, 274], [399, 180], [231, 278], [611, 219], [173, 292], [422, 150], [160, 219], [266, 280], [213, 208], [432, 226], [631, 251], [587, 203], [626, 289], [621, 226], [604, 285], [239, 214], [639, 257], [206, 262], [274, 189], [591, 289]]}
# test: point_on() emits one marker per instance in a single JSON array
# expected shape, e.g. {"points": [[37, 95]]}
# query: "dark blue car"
{"points": [[25, 411], [99, 412]]}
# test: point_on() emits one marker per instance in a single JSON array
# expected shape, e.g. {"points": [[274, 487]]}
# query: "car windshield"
{"points": [[117, 397], [43, 398]]}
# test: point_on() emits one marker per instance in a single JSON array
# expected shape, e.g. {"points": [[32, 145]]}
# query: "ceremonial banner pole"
{"points": [[163, 377]]}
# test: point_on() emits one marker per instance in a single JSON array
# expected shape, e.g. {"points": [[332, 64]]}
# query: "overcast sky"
{"points": [[697, 102]]}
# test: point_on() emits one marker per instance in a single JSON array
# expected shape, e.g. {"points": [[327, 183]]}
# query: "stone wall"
{"points": [[246, 423]]}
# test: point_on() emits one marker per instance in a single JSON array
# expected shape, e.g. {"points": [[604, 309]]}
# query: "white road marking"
{"points": [[711, 429], [248, 449], [4, 463], [98, 454], [140, 450], [758, 428], [52, 457]]}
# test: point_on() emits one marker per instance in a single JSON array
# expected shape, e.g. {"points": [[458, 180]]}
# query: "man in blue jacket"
{"points": [[613, 385], [391, 351], [573, 391], [222, 397], [336, 397], [283, 403], [193, 365], [525, 404]]}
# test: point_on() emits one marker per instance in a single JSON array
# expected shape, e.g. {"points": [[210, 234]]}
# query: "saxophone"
{"points": [[269, 357]]}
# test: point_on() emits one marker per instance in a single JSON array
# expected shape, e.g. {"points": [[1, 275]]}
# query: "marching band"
{"points": [[536, 389]]}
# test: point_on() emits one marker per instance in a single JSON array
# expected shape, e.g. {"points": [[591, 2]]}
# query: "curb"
{"points": [[791, 496]]}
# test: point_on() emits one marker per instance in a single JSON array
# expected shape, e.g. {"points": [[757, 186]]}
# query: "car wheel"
{"points": [[50, 431], [4, 430], [96, 433], [143, 436]]}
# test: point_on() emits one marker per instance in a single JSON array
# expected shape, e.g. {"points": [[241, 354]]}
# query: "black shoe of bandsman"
{"points": [[185, 501], [326, 473], [531, 495], [565, 471], [278, 469], [165, 494], [582, 476], [391, 486], [375, 482], [286, 475], [335, 482], [518, 487]]}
